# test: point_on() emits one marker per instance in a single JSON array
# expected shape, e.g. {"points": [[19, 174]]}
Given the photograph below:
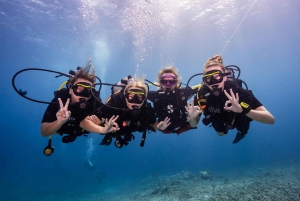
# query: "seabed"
{"points": [[263, 184]]}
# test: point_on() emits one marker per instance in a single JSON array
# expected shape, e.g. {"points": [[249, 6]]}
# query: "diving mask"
{"points": [[136, 96], [213, 77], [168, 83], [82, 89]]}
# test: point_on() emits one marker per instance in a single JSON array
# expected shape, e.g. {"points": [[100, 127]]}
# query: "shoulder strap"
{"points": [[200, 96], [182, 96]]}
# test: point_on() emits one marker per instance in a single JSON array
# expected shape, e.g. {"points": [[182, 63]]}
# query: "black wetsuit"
{"points": [[129, 120], [172, 104], [221, 119], [71, 127]]}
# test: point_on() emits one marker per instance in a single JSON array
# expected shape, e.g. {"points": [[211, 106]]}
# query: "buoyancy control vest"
{"points": [[171, 103], [213, 108], [130, 120], [71, 128]]}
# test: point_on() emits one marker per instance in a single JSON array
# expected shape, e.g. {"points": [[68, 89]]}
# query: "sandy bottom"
{"points": [[255, 184]]}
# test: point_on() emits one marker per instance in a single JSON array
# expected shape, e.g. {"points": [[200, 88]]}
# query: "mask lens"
{"points": [[135, 96], [168, 82], [213, 77], [79, 88], [82, 89]]}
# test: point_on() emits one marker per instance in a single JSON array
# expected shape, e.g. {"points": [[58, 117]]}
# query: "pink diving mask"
{"points": [[168, 83]]}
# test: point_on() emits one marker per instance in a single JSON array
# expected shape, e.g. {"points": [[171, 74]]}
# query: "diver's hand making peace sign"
{"points": [[191, 110], [63, 113], [234, 101]]}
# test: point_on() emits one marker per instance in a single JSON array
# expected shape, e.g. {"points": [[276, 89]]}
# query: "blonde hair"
{"points": [[216, 60], [84, 73], [169, 69], [137, 82]]}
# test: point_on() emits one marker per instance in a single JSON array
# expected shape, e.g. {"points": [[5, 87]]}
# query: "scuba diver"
{"points": [[225, 104], [133, 110], [99, 174], [171, 103], [79, 103]]}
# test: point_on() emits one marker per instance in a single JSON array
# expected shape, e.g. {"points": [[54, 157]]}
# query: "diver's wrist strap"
{"points": [[246, 108]]}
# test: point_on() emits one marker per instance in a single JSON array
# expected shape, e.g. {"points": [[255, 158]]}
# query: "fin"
{"points": [[68, 138], [238, 137], [106, 140]]}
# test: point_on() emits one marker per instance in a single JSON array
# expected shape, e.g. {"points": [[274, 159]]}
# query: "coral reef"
{"points": [[205, 175], [256, 184], [262, 184]]}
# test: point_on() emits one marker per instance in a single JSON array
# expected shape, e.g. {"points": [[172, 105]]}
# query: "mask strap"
{"points": [[168, 76]]}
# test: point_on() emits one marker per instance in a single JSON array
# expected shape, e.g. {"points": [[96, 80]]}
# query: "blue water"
{"points": [[140, 37]]}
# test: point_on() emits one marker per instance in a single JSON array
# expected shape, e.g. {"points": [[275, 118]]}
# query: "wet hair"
{"points": [[137, 82], [216, 60], [86, 73], [169, 69]]}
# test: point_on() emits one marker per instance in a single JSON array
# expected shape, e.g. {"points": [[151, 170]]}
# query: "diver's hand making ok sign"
{"points": [[111, 124], [233, 102], [192, 111], [63, 113]]}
